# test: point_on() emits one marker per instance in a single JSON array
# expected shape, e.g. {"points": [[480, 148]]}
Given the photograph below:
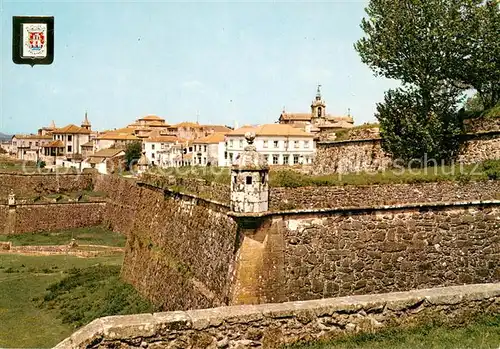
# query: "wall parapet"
{"points": [[272, 325], [367, 209]]}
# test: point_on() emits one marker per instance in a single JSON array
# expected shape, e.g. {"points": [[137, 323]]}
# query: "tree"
{"points": [[474, 60], [133, 152], [425, 42], [474, 104], [415, 129]]}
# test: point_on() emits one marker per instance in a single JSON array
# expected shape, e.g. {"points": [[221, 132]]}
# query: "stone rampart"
{"points": [[367, 155], [385, 194], [36, 184], [180, 247], [318, 253], [51, 216], [274, 325]]}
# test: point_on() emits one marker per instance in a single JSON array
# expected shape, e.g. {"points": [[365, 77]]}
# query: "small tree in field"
{"points": [[414, 129], [133, 152]]}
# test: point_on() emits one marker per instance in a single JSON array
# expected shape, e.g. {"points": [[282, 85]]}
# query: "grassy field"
{"points": [[83, 236], [23, 279], [289, 178], [483, 334]]}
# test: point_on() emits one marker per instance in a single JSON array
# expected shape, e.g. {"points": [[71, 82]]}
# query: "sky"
{"points": [[231, 63]]}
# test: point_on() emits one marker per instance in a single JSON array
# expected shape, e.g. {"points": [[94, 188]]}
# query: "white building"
{"points": [[106, 161], [161, 150], [210, 150], [281, 144]]}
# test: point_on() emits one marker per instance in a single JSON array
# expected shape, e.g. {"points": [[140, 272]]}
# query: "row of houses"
{"points": [[290, 141]]}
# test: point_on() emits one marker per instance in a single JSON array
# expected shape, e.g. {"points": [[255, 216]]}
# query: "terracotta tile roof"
{"points": [[242, 130], [162, 139], [88, 144], [54, 144], [33, 136], [340, 124], [272, 130], [217, 128], [296, 116], [121, 134], [187, 124], [106, 153], [152, 118], [71, 129], [214, 138]]}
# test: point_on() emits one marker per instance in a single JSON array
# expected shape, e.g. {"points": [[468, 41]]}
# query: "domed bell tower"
{"points": [[250, 180], [318, 106]]}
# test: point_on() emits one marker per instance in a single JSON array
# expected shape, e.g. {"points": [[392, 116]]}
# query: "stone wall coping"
{"points": [[125, 327], [362, 209], [363, 140], [99, 201], [54, 174], [183, 195], [379, 139]]}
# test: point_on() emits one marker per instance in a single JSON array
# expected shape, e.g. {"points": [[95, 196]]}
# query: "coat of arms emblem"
{"points": [[35, 40]]}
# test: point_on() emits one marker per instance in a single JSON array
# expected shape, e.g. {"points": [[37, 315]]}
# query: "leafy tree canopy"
{"points": [[425, 42], [414, 128], [133, 152]]}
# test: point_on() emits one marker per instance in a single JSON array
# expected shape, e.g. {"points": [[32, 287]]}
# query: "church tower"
{"points": [[318, 106], [85, 123]]}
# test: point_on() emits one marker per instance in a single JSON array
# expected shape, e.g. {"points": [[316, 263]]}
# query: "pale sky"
{"points": [[225, 61]]}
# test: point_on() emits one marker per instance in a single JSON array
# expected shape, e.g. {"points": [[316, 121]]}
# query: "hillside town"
{"points": [[289, 141]]}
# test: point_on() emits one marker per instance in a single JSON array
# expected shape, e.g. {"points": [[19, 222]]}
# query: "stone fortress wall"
{"points": [[367, 155], [186, 252], [275, 325]]}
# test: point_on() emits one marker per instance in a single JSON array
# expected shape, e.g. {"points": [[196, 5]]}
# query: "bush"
{"points": [[90, 293], [41, 164], [492, 169]]}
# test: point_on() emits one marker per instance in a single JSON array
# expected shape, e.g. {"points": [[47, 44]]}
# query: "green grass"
{"points": [[91, 293], [290, 178], [482, 334], [461, 173], [83, 236], [23, 324]]}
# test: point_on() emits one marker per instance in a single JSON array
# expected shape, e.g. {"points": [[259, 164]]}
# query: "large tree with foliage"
{"points": [[414, 128], [133, 152], [424, 42]]}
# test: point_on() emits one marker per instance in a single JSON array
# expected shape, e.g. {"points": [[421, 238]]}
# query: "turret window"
{"points": [[319, 112]]}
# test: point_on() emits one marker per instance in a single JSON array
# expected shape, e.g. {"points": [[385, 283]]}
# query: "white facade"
{"points": [[278, 150], [160, 151]]}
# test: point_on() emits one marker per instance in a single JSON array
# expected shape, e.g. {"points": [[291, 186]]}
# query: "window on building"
{"points": [[275, 159], [231, 143], [263, 178], [69, 138], [190, 149], [285, 143], [225, 155], [163, 146], [152, 146], [205, 148], [249, 179], [70, 148], [36, 144], [241, 143], [306, 144], [275, 144], [265, 144], [231, 157], [295, 159], [296, 144], [153, 155], [285, 159]]}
